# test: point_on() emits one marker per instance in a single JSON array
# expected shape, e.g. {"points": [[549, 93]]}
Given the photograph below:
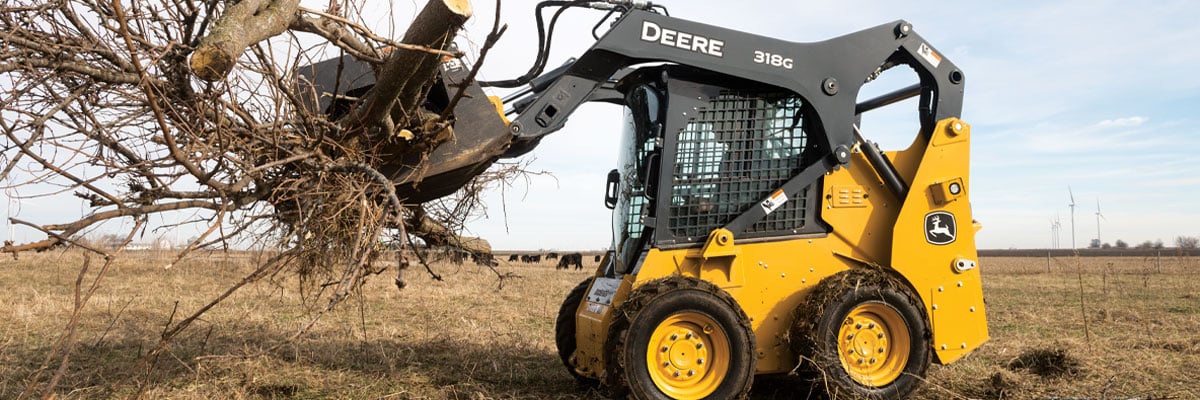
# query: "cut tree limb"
{"points": [[407, 74], [242, 24], [341, 37], [436, 234]]}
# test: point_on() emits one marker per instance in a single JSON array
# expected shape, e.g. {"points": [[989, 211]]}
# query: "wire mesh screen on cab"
{"points": [[736, 152]]}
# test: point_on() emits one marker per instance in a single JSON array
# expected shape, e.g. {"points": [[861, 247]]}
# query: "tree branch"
{"points": [[244, 23]]}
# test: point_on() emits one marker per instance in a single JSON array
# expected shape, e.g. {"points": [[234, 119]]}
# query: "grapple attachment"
{"points": [[480, 131]]}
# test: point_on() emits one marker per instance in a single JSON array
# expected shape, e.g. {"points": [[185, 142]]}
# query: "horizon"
{"points": [[1052, 105]]}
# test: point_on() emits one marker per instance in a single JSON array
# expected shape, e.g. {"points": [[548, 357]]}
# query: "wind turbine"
{"points": [[1058, 232], [8, 219], [1072, 205], [13, 203], [1052, 233], [1098, 217], [1055, 228]]}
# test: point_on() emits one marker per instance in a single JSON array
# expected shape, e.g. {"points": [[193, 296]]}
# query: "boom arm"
{"points": [[828, 74]]}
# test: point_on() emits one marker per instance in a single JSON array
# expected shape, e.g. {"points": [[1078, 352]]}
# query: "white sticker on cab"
{"points": [[603, 290], [771, 203], [928, 54]]}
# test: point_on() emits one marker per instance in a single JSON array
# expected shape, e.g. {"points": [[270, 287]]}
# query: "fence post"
{"points": [[1159, 261], [1048, 260]]}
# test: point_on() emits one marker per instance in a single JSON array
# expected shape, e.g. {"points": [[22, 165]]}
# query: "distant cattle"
{"points": [[485, 259], [449, 254], [551, 256], [531, 258], [597, 258], [567, 260], [513, 257]]}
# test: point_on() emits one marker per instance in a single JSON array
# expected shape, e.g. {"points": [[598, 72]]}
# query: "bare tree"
{"points": [[1187, 242], [190, 108]]}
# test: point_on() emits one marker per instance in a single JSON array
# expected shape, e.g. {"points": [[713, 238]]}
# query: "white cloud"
{"points": [[1123, 122]]}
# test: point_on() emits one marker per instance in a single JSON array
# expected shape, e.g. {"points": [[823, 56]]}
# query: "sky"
{"points": [[1098, 96]]}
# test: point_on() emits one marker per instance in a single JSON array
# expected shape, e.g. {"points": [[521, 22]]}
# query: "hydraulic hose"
{"points": [[544, 42]]}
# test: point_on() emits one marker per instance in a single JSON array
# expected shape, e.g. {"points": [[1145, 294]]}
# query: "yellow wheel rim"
{"points": [[688, 355], [873, 344]]}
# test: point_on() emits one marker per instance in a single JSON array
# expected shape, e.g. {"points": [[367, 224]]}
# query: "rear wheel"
{"points": [[865, 335], [564, 329], [681, 338]]}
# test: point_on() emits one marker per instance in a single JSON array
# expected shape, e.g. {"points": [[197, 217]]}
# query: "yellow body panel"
{"points": [[591, 329], [870, 226], [767, 279], [952, 293]]}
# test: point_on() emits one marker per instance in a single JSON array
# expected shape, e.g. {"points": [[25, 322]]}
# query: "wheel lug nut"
{"points": [[700, 361], [664, 349], [688, 336], [850, 336], [880, 349], [872, 360], [691, 372], [674, 337], [666, 363], [851, 351], [880, 336], [871, 325], [699, 345], [857, 326], [860, 361], [676, 374]]}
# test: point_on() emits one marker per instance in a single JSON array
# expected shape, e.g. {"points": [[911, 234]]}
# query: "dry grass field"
{"points": [[1110, 328]]}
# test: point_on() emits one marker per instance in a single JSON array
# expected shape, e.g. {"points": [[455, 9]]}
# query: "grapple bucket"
{"points": [[481, 133]]}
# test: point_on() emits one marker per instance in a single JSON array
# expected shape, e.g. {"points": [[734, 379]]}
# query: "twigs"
{"points": [[501, 277], [102, 107], [115, 318], [169, 332], [492, 38], [66, 343], [421, 257], [1087, 333], [361, 30]]}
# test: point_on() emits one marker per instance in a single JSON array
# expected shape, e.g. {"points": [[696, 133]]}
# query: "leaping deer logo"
{"points": [[937, 230]]}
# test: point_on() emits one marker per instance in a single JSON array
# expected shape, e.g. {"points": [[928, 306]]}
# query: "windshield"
{"points": [[635, 158]]}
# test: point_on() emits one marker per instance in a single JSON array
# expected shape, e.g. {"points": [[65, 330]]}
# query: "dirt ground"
{"points": [[1112, 328]]}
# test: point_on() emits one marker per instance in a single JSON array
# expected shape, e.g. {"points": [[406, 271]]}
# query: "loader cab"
{"points": [[697, 150]]}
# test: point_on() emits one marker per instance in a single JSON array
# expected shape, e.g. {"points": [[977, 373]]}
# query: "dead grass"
{"points": [[1136, 334], [462, 338]]}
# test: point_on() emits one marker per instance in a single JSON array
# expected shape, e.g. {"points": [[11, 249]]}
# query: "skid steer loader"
{"points": [[755, 231]]}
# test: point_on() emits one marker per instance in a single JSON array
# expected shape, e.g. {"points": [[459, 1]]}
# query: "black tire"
{"points": [[847, 304], [681, 315], [564, 330]]}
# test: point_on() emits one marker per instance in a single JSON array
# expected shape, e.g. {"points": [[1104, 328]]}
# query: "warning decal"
{"points": [[771, 203], [929, 55]]}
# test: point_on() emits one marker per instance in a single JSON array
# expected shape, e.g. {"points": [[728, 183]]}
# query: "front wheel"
{"points": [[681, 338], [865, 335]]}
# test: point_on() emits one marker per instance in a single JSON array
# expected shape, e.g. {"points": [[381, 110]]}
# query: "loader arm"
{"points": [[828, 74]]}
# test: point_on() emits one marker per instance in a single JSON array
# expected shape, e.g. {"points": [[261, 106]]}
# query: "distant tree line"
{"points": [[1181, 242]]}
